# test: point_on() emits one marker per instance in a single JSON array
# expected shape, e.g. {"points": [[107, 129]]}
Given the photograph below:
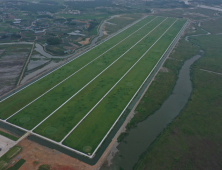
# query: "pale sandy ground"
{"points": [[5, 144], [85, 42]]}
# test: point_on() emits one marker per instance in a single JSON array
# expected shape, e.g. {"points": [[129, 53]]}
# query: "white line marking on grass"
{"points": [[97, 76], [4, 121], [182, 29], [42, 137], [116, 83], [78, 70], [76, 57]]}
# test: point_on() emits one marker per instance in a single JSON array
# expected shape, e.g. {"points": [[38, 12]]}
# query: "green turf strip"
{"points": [[91, 131], [52, 100], [22, 98], [17, 165], [71, 113]]}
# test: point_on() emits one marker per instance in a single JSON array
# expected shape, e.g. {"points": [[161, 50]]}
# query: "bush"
{"points": [[44, 167]]}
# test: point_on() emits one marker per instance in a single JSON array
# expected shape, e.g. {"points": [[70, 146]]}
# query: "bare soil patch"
{"points": [[36, 155]]}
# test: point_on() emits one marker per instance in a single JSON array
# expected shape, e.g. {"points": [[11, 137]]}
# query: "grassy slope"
{"points": [[76, 108], [48, 103], [105, 114], [21, 98], [193, 139]]}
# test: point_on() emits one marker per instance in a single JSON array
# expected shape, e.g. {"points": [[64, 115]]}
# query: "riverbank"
{"points": [[164, 82], [193, 139]]}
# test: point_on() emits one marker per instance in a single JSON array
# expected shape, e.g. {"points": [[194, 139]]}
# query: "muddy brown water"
{"points": [[141, 137]]}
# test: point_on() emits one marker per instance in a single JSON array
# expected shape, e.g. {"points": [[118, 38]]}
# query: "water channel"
{"points": [[140, 138]]}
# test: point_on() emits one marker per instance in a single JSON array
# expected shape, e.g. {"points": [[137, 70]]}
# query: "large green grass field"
{"points": [[78, 103]]}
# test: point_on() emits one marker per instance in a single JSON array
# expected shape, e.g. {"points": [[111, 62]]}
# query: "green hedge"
{"points": [[17, 165]]}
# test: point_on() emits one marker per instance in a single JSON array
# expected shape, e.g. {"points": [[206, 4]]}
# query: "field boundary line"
{"points": [[57, 143], [79, 55], [117, 82], [181, 30], [42, 137], [97, 76], [78, 70]]}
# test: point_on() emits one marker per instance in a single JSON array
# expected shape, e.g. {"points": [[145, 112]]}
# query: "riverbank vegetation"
{"points": [[164, 82], [193, 139]]}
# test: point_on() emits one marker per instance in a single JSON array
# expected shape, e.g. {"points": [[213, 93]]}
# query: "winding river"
{"points": [[141, 137]]}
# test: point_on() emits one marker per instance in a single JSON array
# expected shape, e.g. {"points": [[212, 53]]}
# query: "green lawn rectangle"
{"points": [[92, 130], [37, 111]]}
